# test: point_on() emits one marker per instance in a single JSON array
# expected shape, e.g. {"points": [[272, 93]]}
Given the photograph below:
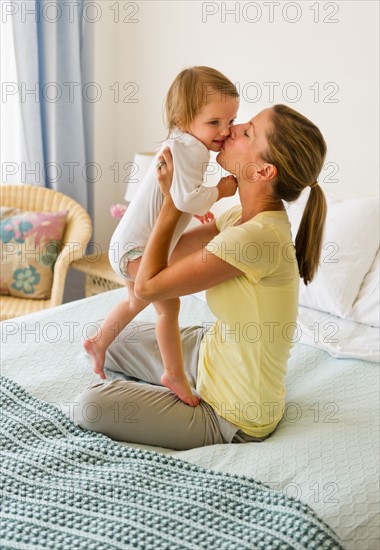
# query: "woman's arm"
{"points": [[156, 280], [193, 240]]}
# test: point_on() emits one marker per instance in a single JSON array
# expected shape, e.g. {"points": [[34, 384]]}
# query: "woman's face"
{"points": [[243, 151]]}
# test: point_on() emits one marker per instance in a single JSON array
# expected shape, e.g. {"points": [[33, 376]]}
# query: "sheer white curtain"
{"points": [[12, 146], [44, 138]]}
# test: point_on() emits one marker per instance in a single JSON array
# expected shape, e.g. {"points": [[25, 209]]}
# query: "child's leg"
{"points": [[169, 342], [113, 324]]}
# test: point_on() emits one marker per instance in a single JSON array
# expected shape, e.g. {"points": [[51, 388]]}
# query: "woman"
{"points": [[247, 260]]}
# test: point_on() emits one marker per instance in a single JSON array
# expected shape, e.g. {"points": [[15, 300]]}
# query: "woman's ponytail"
{"points": [[298, 150], [309, 237]]}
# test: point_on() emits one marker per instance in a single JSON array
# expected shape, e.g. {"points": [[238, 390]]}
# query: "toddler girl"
{"points": [[201, 105]]}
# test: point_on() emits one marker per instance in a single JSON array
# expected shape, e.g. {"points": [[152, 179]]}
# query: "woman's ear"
{"points": [[267, 171]]}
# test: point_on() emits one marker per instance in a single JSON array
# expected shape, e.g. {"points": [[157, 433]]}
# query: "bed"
{"points": [[324, 453]]}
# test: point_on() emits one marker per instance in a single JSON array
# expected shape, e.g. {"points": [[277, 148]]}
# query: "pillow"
{"points": [[341, 338], [30, 243], [350, 243], [366, 308]]}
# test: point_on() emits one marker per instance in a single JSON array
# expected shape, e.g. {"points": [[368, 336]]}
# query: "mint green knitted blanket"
{"points": [[67, 488]]}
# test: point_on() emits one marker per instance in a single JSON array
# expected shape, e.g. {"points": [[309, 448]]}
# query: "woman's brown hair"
{"points": [[191, 90], [298, 150]]}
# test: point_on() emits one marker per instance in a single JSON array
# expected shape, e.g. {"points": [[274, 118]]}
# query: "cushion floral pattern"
{"points": [[30, 243]]}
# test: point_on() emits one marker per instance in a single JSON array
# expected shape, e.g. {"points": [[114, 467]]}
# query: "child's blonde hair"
{"points": [[191, 90]]}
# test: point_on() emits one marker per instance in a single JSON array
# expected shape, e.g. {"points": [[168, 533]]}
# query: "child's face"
{"points": [[212, 124]]}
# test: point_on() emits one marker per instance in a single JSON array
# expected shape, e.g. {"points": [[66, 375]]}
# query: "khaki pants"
{"points": [[149, 413]]}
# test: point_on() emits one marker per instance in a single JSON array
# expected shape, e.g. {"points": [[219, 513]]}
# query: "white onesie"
{"points": [[190, 158]]}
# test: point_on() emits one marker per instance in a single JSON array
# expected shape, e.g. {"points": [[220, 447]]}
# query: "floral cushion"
{"points": [[30, 244]]}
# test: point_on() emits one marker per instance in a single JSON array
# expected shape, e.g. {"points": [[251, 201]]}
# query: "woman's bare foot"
{"points": [[178, 383], [97, 356]]}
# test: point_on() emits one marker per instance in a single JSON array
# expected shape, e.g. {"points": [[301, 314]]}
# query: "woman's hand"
{"points": [[164, 171]]}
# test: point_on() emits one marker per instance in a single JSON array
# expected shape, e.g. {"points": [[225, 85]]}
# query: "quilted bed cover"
{"points": [[324, 452]]}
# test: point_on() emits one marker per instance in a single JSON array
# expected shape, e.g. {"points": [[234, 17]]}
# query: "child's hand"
{"points": [[206, 218], [227, 187]]}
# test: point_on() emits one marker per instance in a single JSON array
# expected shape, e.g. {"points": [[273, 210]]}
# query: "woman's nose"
{"points": [[234, 130], [225, 130]]}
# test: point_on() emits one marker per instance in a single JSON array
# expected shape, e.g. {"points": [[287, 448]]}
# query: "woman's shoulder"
{"points": [[266, 219], [228, 218], [275, 221], [265, 226]]}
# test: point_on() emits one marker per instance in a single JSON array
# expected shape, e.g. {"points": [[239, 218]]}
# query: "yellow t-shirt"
{"points": [[243, 357]]}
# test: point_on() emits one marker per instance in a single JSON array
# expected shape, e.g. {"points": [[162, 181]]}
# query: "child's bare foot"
{"points": [[178, 383], [97, 356]]}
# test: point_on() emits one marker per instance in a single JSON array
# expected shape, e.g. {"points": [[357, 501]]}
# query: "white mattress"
{"points": [[324, 452]]}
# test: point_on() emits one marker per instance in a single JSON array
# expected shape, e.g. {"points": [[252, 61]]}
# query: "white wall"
{"points": [[338, 59]]}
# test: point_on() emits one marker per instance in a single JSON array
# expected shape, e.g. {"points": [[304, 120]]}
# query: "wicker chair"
{"points": [[78, 230]]}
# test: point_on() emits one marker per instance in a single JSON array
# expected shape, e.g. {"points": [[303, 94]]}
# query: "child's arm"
{"points": [[227, 187], [187, 191]]}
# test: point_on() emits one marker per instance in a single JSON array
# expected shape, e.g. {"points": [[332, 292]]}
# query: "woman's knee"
{"points": [[89, 407]]}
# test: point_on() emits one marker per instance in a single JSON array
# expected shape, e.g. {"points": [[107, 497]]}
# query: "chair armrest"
{"points": [[76, 239]]}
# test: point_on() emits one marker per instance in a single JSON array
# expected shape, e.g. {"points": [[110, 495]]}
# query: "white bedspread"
{"points": [[324, 452]]}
